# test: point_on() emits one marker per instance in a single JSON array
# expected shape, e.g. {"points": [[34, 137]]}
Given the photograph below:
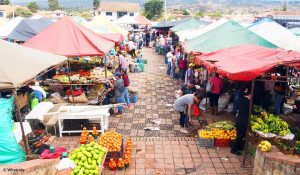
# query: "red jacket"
{"points": [[126, 80]]}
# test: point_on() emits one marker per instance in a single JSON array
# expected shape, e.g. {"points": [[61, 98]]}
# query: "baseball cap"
{"points": [[118, 74]]}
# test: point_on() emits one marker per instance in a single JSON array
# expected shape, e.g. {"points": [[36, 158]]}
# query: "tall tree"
{"points": [[185, 12], [53, 4], [23, 12], [284, 6], [33, 7], [7, 2], [96, 4], [153, 8]]}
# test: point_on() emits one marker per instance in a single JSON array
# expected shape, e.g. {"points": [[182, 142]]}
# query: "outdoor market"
{"points": [[107, 85]]}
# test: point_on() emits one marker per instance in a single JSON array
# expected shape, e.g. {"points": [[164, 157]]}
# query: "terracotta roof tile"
{"points": [[119, 6]]}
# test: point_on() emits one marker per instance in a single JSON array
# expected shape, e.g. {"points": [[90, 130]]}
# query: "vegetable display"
{"points": [[224, 125], [269, 123]]}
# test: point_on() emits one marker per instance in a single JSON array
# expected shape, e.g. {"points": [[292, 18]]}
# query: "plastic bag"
{"points": [[47, 155], [223, 101], [229, 108], [65, 163], [287, 109], [202, 104], [10, 151]]}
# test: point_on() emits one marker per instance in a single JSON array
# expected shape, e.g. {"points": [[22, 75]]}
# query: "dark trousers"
{"points": [[41, 149], [132, 53], [214, 99], [241, 128], [184, 120]]}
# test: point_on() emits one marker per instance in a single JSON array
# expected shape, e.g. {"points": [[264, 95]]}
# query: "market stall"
{"points": [[246, 63], [24, 60]]}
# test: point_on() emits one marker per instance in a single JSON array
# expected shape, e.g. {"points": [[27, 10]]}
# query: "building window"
{"points": [[131, 14], [108, 13]]}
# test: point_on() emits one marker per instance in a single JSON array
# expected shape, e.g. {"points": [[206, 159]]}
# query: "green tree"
{"points": [[23, 12], [96, 4], [7, 2], [86, 15], [153, 9], [217, 14], [53, 4], [185, 12], [33, 7], [284, 7], [199, 14], [4, 2]]}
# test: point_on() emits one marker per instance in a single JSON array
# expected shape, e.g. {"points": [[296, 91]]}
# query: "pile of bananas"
{"points": [[269, 123], [265, 146]]}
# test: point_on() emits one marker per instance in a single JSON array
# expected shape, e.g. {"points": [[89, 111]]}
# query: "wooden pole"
{"points": [[70, 83], [247, 126], [105, 67], [21, 124]]}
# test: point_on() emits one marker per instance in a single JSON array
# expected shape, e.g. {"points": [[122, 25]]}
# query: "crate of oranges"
{"points": [[113, 141]]}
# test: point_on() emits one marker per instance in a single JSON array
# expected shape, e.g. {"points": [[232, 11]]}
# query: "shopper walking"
{"points": [[119, 90]]}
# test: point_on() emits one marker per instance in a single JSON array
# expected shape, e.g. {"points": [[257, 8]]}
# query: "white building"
{"points": [[115, 10]]}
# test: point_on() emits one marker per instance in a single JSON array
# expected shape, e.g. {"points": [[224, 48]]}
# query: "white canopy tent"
{"points": [[8, 27], [126, 20], [276, 34], [19, 64], [201, 30]]}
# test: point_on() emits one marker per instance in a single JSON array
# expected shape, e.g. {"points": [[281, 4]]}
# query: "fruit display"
{"points": [[265, 146], [91, 138], [112, 164], [120, 164], [84, 136], [224, 125], [62, 78], [218, 134], [111, 140], [95, 132], [88, 158], [269, 123]]}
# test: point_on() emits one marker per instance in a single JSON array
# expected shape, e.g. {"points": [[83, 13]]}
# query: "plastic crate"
{"points": [[207, 143], [222, 142]]}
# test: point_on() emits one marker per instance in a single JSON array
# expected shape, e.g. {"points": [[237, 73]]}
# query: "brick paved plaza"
{"points": [[166, 151]]}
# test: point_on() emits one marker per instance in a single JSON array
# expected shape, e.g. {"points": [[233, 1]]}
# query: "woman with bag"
{"points": [[215, 86]]}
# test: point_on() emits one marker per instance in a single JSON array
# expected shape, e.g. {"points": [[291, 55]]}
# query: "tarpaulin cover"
{"points": [[126, 20], [229, 34], [28, 28], [10, 150], [295, 30], [102, 25], [193, 31], [142, 20], [192, 23], [19, 64], [246, 62], [8, 27], [115, 37], [169, 24], [276, 34], [66, 37]]}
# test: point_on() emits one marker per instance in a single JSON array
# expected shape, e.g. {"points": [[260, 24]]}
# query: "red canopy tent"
{"points": [[66, 37], [246, 62], [142, 20], [115, 37]]}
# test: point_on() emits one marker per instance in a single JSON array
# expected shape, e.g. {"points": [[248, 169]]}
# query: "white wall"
{"points": [[112, 18], [115, 15]]}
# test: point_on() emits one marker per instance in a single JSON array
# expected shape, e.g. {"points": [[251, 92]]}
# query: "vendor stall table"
{"points": [[39, 111], [17, 130], [94, 113]]}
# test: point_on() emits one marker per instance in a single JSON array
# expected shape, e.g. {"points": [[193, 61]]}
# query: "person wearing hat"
{"points": [[296, 105], [184, 106], [119, 90], [190, 74], [188, 88]]}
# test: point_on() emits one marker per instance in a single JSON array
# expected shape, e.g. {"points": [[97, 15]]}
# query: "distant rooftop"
{"points": [[279, 13], [119, 7]]}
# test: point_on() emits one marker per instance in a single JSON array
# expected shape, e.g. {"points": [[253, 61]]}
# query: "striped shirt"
{"points": [[183, 101]]}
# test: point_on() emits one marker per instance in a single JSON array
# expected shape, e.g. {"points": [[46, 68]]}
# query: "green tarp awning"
{"points": [[192, 23], [229, 34]]}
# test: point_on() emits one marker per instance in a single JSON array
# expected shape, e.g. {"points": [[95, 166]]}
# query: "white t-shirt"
{"points": [[169, 57], [131, 45]]}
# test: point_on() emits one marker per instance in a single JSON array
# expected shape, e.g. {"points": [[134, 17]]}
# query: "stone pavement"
{"points": [[166, 151], [156, 91]]}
